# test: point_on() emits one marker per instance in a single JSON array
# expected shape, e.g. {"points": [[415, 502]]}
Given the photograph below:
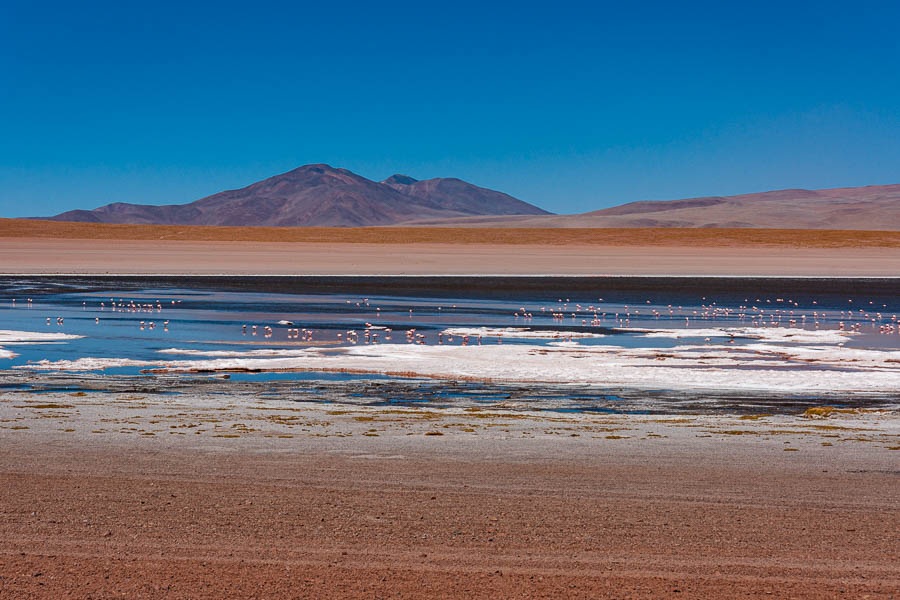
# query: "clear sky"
{"points": [[571, 106]]}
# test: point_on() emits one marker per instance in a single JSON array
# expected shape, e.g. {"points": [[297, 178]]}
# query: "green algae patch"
{"points": [[753, 417], [433, 433]]}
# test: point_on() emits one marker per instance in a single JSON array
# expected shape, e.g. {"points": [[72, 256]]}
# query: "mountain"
{"points": [[320, 195], [458, 196], [869, 207], [874, 207]]}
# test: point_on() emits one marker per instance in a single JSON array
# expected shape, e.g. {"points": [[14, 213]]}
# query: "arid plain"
{"points": [[146, 496], [60, 247]]}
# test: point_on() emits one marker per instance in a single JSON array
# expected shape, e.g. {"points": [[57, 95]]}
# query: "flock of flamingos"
{"points": [[777, 312]]}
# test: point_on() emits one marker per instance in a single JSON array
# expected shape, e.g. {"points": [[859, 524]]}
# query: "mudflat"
{"points": [[150, 497]]}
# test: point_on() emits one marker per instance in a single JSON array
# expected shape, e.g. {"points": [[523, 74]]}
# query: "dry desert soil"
{"points": [[60, 247], [109, 496]]}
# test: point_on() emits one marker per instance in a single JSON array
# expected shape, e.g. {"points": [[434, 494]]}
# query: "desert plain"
{"points": [[60, 247], [146, 495]]}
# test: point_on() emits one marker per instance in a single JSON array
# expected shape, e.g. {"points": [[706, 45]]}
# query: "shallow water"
{"points": [[139, 317]]}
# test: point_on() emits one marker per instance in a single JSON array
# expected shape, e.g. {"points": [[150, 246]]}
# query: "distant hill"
{"points": [[874, 207], [869, 207], [319, 195]]}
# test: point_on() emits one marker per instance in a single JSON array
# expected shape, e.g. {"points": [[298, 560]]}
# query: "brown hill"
{"points": [[875, 207], [319, 195], [869, 207]]}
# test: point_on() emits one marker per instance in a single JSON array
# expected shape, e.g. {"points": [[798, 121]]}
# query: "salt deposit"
{"points": [[8, 336], [768, 334], [761, 367], [11, 337], [519, 332]]}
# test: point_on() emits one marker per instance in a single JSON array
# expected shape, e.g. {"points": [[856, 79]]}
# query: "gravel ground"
{"points": [[122, 494]]}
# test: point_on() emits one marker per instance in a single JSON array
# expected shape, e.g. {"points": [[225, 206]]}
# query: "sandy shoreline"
{"points": [[110, 494], [49, 256]]}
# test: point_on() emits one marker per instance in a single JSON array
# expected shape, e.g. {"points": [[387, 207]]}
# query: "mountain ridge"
{"points": [[325, 196], [871, 207], [319, 195]]}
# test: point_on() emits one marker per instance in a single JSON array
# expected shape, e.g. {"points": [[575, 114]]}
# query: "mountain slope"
{"points": [[869, 207], [864, 208], [458, 196], [319, 195]]}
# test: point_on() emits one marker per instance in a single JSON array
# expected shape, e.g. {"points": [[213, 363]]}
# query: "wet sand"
{"points": [[158, 496], [48, 256]]}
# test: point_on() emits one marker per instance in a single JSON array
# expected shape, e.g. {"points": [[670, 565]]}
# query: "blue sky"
{"points": [[571, 106]]}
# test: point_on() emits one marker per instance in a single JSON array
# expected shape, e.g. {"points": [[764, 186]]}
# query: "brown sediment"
{"points": [[827, 411]]}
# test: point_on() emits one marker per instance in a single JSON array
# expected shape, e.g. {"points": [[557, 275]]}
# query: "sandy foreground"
{"points": [[152, 496], [42, 255]]}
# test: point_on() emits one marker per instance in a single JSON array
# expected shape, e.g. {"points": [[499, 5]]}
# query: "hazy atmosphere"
{"points": [[572, 107]]}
